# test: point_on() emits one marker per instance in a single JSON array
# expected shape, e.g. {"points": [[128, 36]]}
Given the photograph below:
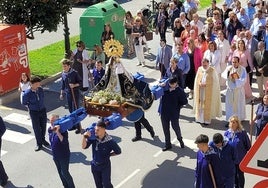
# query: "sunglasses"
{"points": [[78, 46]]}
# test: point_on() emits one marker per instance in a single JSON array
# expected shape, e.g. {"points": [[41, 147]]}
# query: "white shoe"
{"points": [[138, 64], [143, 64]]}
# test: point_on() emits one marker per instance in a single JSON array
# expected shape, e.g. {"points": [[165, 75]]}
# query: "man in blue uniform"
{"points": [[60, 151], [71, 81], [170, 105], [228, 156], [34, 99], [103, 147], [208, 173]]}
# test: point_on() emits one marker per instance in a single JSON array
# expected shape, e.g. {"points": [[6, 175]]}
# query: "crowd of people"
{"points": [[221, 53]]}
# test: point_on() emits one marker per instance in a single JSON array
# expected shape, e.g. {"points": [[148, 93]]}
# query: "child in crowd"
{"points": [[98, 72], [24, 84]]}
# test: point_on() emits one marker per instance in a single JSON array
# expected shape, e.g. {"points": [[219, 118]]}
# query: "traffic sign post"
{"points": [[256, 160]]}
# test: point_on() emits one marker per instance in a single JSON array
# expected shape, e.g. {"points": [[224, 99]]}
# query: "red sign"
{"points": [[256, 160], [13, 56], [261, 184]]}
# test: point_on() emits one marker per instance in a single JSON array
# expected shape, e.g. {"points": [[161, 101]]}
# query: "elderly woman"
{"points": [[240, 140], [261, 116]]}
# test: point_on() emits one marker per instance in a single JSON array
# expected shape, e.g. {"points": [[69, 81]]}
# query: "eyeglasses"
{"points": [[78, 46], [234, 62]]}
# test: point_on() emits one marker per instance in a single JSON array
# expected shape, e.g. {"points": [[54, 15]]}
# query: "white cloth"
{"points": [[84, 66], [23, 87], [214, 59], [235, 102], [200, 106], [199, 25]]}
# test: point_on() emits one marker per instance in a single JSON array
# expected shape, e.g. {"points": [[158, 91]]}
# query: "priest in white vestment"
{"points": [[235, 102], [207, 100]]}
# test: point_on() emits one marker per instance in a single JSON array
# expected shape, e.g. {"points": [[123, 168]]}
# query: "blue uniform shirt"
{"points": [[70, 77], [34, 99], [227, 157], [202, 173], [183, 62], [102, 149], [98, 74], [60, 149], [240, 141]]}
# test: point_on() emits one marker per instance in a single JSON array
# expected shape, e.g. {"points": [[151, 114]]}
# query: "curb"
{"points": [[12, 95]]}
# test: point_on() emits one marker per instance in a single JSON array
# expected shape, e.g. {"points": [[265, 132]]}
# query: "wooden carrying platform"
{"points": [[105, 110]]}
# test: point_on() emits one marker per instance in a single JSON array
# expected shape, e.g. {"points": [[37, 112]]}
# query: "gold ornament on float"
{"points": [[113, 48]]}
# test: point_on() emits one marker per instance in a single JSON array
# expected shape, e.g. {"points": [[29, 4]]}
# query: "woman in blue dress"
{"points": [[240, 140]]}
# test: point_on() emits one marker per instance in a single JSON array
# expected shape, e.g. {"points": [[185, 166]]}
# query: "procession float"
{"points": [[118, 91]]}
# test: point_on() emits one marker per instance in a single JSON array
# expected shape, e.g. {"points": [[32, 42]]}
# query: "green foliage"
{"points": [[205, 3], [37, 15], [44, 62]]}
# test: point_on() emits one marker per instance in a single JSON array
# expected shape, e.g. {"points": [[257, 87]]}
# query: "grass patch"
{"points": [[206, 3], [44, 62]]}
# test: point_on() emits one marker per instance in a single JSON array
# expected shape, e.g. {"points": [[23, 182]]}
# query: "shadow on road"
{"points": [[17, 128], [78, 157], [11, 185], [172, 174]]}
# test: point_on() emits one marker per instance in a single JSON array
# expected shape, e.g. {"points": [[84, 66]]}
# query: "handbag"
{"points": [[248, 69], [149, 35]]}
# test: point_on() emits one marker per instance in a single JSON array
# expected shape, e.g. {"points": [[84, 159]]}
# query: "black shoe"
{"points": [[46, 144], [136, 138], [205, 124], [181, 143], [37, 148], [152, 134], [166, 148], [4, 183]]}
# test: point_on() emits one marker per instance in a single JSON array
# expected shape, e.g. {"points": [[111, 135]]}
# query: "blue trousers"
{"points": [[102, 175], [39, 123], [239, 177], [166, 126], [229, 182], [71, 104], [63, 170], [70, 100]]}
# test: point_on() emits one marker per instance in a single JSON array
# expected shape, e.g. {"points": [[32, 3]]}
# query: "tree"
{"points": [[37, 15]]}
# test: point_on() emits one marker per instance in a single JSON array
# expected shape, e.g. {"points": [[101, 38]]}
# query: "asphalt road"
{"points": [[141, 164]]}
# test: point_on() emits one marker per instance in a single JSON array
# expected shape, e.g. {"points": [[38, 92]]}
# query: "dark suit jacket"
{"points": [[171, 103], [166, 58], [260, 62], [254, 46]]}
